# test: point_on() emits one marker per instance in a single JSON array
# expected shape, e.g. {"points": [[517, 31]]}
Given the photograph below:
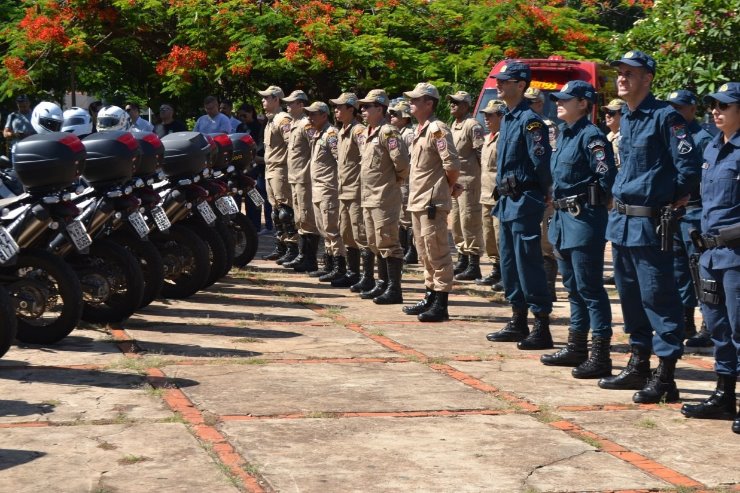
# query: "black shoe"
{"points": [[367, 281], [291, 252], [492, 278], [461, 264], [392, 294], [328, 267], [498, 287], [310, 247], [689, 324], [277, 252], [423, 305], [298, 259], [661, 387], [515, 330], [609, 281], [719, 405], [381, 284], [635, 375], [472, 272], [573, 354], [438, 311], [540, 337], [598, 364], [702, 339], [339, 270], [412, 256], [736, 423], [353, 270]]}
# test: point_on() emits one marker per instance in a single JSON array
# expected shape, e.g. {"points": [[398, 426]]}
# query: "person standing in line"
{"points": [[401, 119], [612, 119]]}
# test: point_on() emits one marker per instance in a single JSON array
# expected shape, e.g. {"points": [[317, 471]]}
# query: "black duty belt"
{"points": [[520, 188], [570, 202], [636, 210], [712, 241]]}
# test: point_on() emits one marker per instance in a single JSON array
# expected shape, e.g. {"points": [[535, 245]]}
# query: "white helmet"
{"points": [[112, 118], [77, 121], [47, 118]]}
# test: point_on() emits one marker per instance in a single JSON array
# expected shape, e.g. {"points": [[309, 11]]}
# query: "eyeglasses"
{"points": [[612, 112], [719, 105], [128, 110]]}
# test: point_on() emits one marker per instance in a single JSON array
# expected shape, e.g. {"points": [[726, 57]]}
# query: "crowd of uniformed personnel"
{"points": [[382, 189]]}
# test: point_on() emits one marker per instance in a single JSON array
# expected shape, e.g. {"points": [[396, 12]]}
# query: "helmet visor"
{"points": [[51, 124], [108, 122]]}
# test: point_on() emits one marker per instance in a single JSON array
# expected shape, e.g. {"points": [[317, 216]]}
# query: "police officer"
{"points": [[467, 231], [720, 261], [299, 178], [325, 183], [522, 185], [493, 113], [385, 166], [435, 167], [660, 167], [685, 103], [583, 172], [351, 224], [277, 135], [401, 119]]}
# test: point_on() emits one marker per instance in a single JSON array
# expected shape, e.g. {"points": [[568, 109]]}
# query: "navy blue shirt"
{"points": [[720, 191], [582, 156], [660, 163], [701, 138], [524, 152]]}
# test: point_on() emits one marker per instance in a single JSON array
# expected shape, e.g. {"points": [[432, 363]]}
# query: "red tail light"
{"points": [[129, 141], [73, 142], [153, 140], [247, 139]]}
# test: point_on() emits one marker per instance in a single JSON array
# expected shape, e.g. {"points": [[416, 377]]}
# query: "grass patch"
{"points": [[106, 445], [437, 360], [334, 310], [547, 415], [320, 415], [251, 469], [132, 459], [152, 391], [210, 419], [378, 332], [245, 340], [646, 423], [305, 300], [591, 441], [175, 418], [140, 364]]}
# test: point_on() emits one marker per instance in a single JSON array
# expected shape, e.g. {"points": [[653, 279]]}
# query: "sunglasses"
{"points": [[369, 105], [719, 105], [611, 112]]}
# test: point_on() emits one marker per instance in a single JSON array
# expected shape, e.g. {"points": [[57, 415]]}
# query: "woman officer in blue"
{"points": [[720, 261], [583, 172]]}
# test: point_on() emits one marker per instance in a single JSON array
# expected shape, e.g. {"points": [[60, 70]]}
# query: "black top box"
{"points": [[112, 158], [152, 154], [48, 162], [186, 154]]}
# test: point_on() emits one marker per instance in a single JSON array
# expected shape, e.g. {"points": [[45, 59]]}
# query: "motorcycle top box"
{"points": [[243, 145], [152, 154], [186, 154], [112, 158], [224, 151], [47, 162]]}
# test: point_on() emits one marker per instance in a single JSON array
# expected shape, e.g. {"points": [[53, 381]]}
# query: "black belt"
{"points": [[712, 241], [521, 187], [570, 203], [636, 210]]}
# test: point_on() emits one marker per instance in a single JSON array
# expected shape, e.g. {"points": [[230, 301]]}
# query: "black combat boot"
{"points": [[574, 353], [702, 339], [540, 337], [423, 305], [403, 239], [515, 330], [438, 311], [309, 263], [736, 423], [353, 270], [291, 252], [301, 254], [280, 246], [392, 294], [339, 269], [661, 386], [634, 376], [367, 281], [461, 264], [688, 321], [598, 364], [719, 405], [412, 256], [498, 287], [381, 283], [472, 272], [328, 262], [492, 278], [551, 272]]}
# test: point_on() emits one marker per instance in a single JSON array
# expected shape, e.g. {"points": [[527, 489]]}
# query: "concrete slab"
{"points": [[276, 388], [69, 395], [462, 454], [701, 449], [88, 346], [110, 459]]}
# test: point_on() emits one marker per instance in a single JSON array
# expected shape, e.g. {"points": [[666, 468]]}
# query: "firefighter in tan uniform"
{"points": [[325, 184], [277, 133], [435, 167], [385, 166], [299, 177], [351, 223], [494, 110], [467, 231], [401, 119]]}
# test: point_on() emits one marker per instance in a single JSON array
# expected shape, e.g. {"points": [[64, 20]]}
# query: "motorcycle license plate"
{"points": [[227, 205], [78, 235], [8, 246], [255, 197], [139, 223], [160, 218], [206, 212]]}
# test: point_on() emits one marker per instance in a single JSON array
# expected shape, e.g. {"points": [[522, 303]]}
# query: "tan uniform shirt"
{"points": [[468, 138], [324, 154], [299, 151], [385, 165], [407, 134], [277, 134], [614, 138], [488, 169], [351, 141], [433, 153]]}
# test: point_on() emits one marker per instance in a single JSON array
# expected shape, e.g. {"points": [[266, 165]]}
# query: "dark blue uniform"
{"points": [[720, 190], [583, 156], [524, 153], [660, 164]]}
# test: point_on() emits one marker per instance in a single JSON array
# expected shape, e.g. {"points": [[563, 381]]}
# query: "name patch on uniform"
{"points": [[534, 126], [392, 143], [684, 147]]}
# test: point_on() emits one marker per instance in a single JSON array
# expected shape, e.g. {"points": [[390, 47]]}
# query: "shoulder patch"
{"points": [[359, 129], [534, 126], [679, 131], [596, 143]]}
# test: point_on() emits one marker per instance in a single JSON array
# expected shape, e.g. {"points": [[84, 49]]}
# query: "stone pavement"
{"points": [[270, 381]]}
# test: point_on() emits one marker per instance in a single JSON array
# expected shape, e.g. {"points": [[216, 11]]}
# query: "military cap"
{"points": [[273, 91], [637, 59], [376, 96], [295, 96], [682, 97], [460, 97], [534, 94], [348, 98], [494, 106], [514, 71], [615, 104], [317, 106], [575, 89], [728, 93], [423, 89], [402, 108]]}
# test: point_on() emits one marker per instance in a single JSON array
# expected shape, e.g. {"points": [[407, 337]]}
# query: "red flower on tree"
{"points": [[15, 66], [181, 60]]}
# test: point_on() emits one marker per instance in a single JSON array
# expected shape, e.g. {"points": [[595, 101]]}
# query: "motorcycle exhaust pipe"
{"points": [[32, 230]]}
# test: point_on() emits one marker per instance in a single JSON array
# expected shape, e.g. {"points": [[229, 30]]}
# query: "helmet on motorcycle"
{"points": [[112, 118], [47, 118], [77, 121]]}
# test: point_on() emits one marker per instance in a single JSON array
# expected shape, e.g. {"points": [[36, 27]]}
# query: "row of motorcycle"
{"points": [[103, 226]]}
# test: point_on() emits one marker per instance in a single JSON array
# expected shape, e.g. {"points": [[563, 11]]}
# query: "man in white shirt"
{"points": [[213, 122], [138, 124]]}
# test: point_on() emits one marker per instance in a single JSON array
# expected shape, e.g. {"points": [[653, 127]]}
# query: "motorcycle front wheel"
{"points": [[150, 261], [185, 258], [246, 240]]}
